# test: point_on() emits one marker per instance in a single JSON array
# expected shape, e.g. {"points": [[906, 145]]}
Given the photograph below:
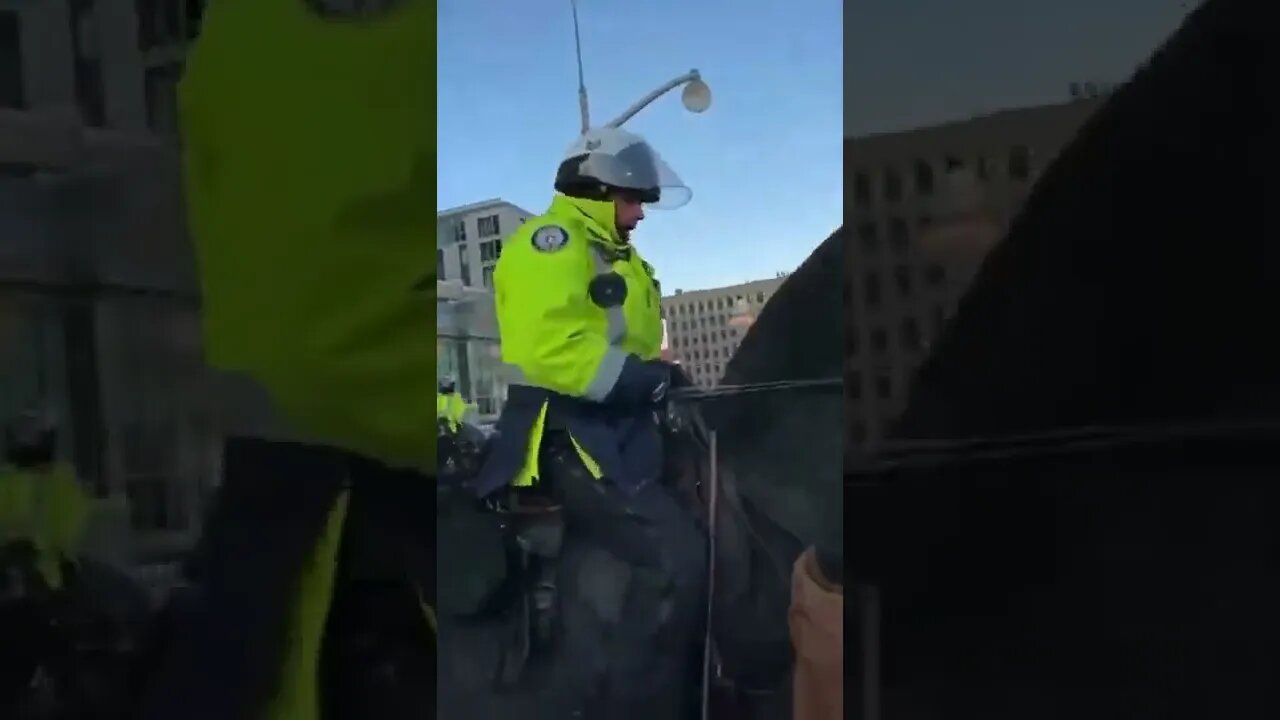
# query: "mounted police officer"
{"points": [[41, 501], [579, 315], [451, 407]]}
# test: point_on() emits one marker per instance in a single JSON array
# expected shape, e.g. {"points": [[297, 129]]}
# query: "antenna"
{"points": [[582, 85]]}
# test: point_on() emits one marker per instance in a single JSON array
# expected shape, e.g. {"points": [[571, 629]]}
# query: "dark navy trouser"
{"points": [[652, 660]]}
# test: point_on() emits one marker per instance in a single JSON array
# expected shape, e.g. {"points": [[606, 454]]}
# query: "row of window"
{"points": [[706, 373], [163, 23], [707, 337], [490, 251], [904, 281], [160, 23], [486, 226], [910, 332], [727, 302], [714, 353], [923, 176], [881, 385], [712, 321]]}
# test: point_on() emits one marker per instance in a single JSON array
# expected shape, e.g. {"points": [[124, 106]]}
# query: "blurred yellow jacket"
{"points": [[47, 507], [309, 156]]}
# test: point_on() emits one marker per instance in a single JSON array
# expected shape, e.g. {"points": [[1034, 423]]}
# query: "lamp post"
{"points": [[696, 95]]}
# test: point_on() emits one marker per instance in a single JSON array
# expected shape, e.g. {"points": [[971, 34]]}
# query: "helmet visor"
{"points": [[639, 167]]}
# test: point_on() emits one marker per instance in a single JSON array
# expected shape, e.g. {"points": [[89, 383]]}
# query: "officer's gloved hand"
{"points": [[495, 502], [642, 383], [679, 378]]}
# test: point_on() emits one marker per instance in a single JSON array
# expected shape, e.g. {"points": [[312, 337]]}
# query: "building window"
{"points": [[12, 91], [884, 385], [487, 226], [924, 178], [486, 276], [851, 342], [464, 262], [902, 278], [868, 237], [899, 235], [934, 274], [871, 289], [911, 338], [853, 385], [162, 97], [982, 168], [879, 340], [460, 231], [892, 185], [440, 273], [195, 14], [490, 250], [87, 70], [953, 164], [862, 190], [858, 432], [164, 22], [760, 297], [1020, 162]]}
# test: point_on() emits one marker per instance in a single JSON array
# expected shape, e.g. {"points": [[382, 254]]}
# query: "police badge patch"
{"points": [[550, 238]]}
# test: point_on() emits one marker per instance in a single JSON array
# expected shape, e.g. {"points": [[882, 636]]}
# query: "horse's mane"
{"points": [[783, 449], [1137, 282], [1136, 285]]}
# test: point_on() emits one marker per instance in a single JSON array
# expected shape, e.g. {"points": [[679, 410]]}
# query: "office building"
{"points": [[923, 207], [705, 327], [470, 240]]}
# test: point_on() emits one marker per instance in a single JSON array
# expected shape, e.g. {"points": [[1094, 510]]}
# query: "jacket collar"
{"points": [[597, 214]]}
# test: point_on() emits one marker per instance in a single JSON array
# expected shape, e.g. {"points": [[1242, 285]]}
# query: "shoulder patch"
{"points": [[550, 238]]}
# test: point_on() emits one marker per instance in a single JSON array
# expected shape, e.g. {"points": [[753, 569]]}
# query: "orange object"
{"points": [[816, 619]]}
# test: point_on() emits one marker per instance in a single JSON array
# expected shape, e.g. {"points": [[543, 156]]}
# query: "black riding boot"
{"points": [[540, 539]]}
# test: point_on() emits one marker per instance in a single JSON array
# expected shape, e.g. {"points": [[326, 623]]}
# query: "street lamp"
{"points": [[696, 95]]}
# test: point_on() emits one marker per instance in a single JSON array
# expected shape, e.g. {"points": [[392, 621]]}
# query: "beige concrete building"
{"points": [[705, 327], [922, 208]]}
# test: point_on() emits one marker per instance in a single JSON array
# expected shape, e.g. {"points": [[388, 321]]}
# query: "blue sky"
{"points": [[764, 162]]}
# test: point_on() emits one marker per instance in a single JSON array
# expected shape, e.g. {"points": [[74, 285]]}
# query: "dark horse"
{"points": [[778, 492], [1121, 562]]}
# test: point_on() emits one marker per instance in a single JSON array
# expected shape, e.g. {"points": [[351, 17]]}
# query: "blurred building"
{"points": [[470, 242], [467, 347], [99, 305], [923, 207], [705, 327], [113, 63]]}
